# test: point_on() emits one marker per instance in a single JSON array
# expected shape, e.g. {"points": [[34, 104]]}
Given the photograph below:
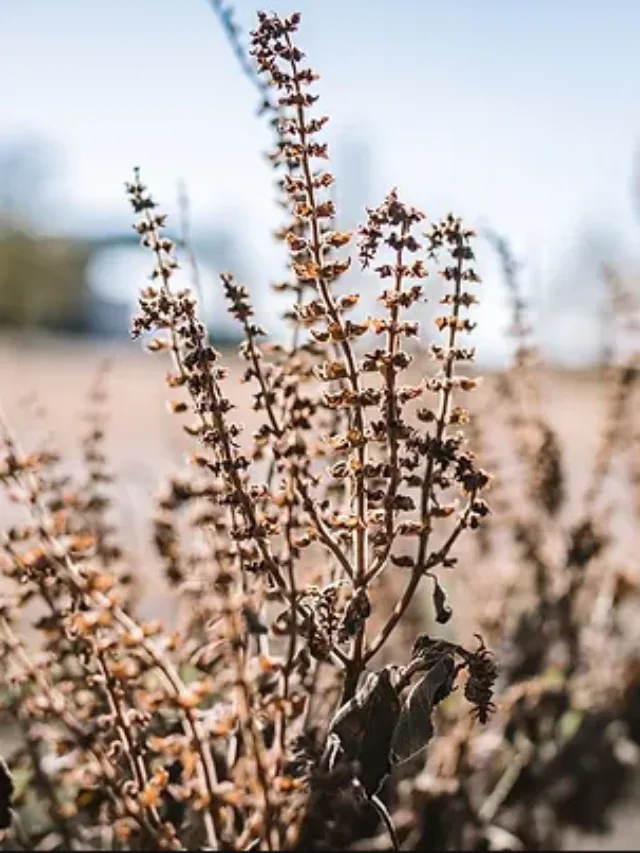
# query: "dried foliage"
{"points": [[562, 749], [222, 734], [287, 709]]}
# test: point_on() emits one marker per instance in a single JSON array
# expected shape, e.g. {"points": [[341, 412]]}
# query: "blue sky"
{"points": [[520, 113]]}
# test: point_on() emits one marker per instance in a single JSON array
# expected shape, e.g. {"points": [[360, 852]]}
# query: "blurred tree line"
{"points": [[46, 279], [43, 280]]}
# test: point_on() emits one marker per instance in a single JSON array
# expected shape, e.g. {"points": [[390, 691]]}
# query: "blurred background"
{"points": [[518, 116]]}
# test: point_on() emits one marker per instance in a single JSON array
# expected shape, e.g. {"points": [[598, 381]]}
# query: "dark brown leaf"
{"points": [[415, 729]]}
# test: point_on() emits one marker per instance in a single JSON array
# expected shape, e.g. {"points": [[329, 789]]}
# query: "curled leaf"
{"points": [[365, 726], [356, 614], [415, 729], [6, 794], [442, 607], [254, 623]]}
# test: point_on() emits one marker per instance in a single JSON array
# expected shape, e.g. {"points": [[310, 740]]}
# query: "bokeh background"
{"points": [[518, 116]]}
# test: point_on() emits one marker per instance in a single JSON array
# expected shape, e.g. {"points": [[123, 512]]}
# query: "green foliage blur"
{"points": [[42, 280]]}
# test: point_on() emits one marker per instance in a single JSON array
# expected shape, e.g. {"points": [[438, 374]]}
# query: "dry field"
{"points": [[145, 443], [44, 388]]}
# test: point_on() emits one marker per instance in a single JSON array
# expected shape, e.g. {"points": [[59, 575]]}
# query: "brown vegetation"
{"points": [[302, 697]]}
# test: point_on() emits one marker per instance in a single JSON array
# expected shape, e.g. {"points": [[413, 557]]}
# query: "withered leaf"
{"points": [[442, 607], [365, 726], [6, 793], [254, 623], [415, 729]]}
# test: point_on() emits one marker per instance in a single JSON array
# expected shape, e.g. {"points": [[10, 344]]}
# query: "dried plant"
{"points": [[562, 620], [269, 697]]}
